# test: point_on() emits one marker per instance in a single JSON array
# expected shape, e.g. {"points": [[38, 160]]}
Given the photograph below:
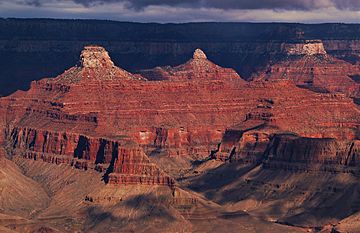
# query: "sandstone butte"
{"points": [[98, 116], [308, 65]]}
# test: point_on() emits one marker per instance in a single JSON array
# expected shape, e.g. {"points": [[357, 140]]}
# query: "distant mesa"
{"points": [[308, 47], [308, 65], [96, 65], [94, 56]]}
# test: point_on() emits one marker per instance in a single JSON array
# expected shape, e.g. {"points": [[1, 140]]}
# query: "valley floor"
{"points": [[211, 196]]}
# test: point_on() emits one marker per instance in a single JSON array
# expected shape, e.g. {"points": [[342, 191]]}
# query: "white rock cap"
{"points": [[94, 56], [199, 54]]}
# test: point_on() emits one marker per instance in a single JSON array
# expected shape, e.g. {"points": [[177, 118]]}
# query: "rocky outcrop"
{"points": [[308, 47], [95, 57], [308, 65], [95, 65], [197, 68], [289, 148], [295, 153], [123, 162], [97, 117], [244, 47], [199, 55]]}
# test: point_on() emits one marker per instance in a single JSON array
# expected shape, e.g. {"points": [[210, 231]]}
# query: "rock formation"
{"points": [[309, 47], [242, 46], [101, 119], [109, 102], [84, 111], [311, 154], [95, 57], [197, 68], [95, 65], [199, 54], [308, 65]]}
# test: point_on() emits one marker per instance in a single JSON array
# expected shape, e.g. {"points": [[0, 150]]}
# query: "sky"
{"points": [[164, 11]]}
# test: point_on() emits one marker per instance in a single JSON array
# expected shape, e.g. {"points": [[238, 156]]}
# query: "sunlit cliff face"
{"points": [[95, 56], [312, 47]]}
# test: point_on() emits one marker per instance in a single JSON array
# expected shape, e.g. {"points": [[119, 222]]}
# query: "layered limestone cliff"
{"points": [[84, 116], [123, 162], [308, 65], [290, 149], [309, 47], [95, 57]]}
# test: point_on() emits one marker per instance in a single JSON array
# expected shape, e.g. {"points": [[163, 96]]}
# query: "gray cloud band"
{"points": [[305, 5]]}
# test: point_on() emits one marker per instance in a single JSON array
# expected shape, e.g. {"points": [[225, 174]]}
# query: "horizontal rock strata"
{"points": [[96, 113]]}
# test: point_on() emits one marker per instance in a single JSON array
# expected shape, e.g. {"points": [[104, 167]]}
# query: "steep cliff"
{"points": [[105, 122], [99, 100], [308, 65], [312, 154], [36, 46], [121, 162]]}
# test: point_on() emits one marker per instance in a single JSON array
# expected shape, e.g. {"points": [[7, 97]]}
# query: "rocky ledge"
{"points": [[308, 47], [94, 56], [86, 113]]}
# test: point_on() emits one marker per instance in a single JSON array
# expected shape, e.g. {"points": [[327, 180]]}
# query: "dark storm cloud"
{"points": [[32, 2], [230, 4], [307, 11], [234, 4], [347, 4]]}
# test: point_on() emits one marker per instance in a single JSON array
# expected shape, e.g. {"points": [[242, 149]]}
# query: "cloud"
{"points": [[304, 5], [232, 4], [164, 11], [36, 3], [347, 4]]}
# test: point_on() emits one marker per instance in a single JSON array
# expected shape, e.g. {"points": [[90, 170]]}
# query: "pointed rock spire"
{"points": [[199, 54], [94, 56]]}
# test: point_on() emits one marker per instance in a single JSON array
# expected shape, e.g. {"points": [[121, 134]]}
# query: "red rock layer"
{"points": [[192, 116], [313, 68], [290, 148], [2, 153], [118, 159], [95, 64], [197, 68], [295, 153]]}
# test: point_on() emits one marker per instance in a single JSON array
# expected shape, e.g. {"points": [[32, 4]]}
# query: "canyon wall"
{"points": [[37, 47], [93, 111], [294, 153], [289, 148], [309, 66], [122, 162], [268, 146]]}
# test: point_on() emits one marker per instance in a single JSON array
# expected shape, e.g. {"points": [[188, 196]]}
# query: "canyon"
{"points": [[309, 65], [40, 50], [194, 147]]}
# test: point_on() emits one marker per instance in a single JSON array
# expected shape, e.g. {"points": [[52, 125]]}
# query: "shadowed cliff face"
{"points": [[41, 51]]}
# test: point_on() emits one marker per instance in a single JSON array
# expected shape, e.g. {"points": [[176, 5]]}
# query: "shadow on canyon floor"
{"points": [[144, 211], [292, 198]]}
